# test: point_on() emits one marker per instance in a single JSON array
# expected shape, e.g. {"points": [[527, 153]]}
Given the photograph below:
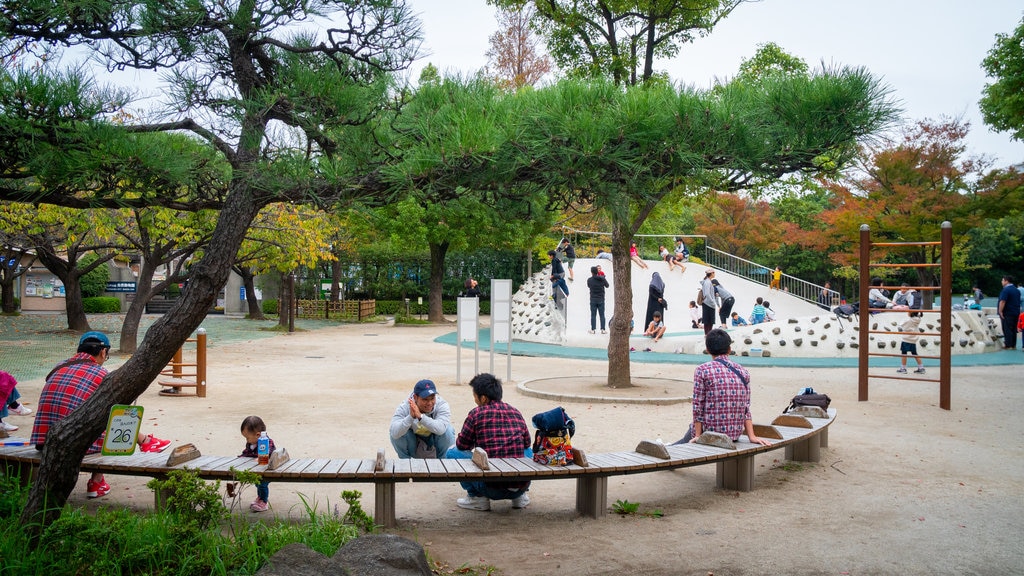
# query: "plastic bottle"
{"points": [[263, 448]]}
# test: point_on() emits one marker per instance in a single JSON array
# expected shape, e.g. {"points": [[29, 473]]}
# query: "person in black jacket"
{"points": [[597, 284]]}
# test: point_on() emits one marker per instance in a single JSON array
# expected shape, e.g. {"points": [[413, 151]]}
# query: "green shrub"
{"points": [[270, 306], [101, 305], [95, 282]]}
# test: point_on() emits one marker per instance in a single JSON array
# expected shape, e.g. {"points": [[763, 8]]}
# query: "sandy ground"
{"points": [[904, 487]]}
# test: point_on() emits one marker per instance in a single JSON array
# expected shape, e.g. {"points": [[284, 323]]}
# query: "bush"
{"points": [[101, 305], [270, 306]]}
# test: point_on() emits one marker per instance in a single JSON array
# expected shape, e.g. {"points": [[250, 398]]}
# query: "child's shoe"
{"points": [[259, 506], [919, 370], [21, 410], [901, 370]]}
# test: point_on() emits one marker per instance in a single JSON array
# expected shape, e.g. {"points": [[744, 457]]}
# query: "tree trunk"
{"points": [[249, 281], [70, 438], [130, 327], [284, 303], [435, 310], [335, 279], [618, 340], [7, 294]]}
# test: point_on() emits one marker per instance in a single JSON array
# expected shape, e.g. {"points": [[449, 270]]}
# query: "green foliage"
{"points": [[101, 305], [13, 493], [194, 504], [270, 305], [627, 508], [1002, 101], [93, 283], [355, 514]]}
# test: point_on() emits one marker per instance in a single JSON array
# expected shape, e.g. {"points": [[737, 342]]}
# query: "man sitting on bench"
{"points": [[422, 425]]}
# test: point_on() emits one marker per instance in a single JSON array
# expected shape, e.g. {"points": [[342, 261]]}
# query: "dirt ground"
{"points": [[903, 488]]}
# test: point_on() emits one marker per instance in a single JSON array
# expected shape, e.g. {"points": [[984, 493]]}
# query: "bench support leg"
{"points": [[823, 435], [808, 450], [384, 504], [592, 496], [736, 474]]}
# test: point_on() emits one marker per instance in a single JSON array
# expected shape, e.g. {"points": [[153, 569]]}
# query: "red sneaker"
{"points": [[154, 444], [96, 489]]}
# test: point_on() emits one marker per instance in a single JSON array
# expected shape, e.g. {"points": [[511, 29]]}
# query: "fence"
{"points": [[339, 309], [762, 275]]}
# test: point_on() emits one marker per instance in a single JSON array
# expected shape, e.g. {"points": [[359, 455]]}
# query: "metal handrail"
{"points": [[761, 274]]}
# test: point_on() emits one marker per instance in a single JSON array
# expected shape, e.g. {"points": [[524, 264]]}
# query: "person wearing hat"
{"points": [[422, 425], [67, 387]]}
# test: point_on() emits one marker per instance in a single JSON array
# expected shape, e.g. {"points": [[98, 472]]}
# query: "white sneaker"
{"points": [[901, 370], [590, 331], [21, 410], [474, 503], [521, 501], [604, 331], [7, 427]]}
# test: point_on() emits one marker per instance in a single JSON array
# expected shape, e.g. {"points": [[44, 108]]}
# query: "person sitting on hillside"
{"points": [[769, 314], [878, 296], [656, 329], [758, 315], [738, 320]]}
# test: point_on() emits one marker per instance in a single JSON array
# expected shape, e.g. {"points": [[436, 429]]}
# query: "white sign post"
{"points": [[469, 326], [501, 321]]}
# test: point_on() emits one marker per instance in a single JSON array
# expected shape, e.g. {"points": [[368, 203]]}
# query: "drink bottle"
{"points": [[263, 448]]}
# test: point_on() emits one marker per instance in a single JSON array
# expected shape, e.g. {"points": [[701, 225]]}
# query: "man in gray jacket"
{"points": [[422, 425]]}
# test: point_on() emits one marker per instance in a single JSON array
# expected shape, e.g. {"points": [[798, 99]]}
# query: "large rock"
{"points": [[373, 555]]}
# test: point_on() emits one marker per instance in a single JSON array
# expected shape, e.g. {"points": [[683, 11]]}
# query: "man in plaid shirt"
{"points": [[721, 394], [67, 387], [501, 431]]}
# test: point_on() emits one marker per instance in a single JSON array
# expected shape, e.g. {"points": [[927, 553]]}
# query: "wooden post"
{"points": [[863, 313], [946, 316], [200, 362]]}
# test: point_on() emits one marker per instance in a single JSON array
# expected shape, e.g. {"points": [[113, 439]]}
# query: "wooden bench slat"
{"points": [[734, 466]]}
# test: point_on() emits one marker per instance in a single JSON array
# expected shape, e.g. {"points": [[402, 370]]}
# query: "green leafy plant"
{"points": [[194, 504], [627, 508], [355, 514]]}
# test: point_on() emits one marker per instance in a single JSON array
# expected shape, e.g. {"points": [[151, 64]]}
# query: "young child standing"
{"points": [[251, 428], [909, 344]]}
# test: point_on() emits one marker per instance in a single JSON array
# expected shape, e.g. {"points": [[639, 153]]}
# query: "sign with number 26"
{"points": [[122, 430]]}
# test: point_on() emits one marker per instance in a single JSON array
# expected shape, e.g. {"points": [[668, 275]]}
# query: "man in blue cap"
{"points": [[68, 386], [422, 425]]}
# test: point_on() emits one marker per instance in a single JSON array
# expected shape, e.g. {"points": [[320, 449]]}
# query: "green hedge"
{"points": [[269, 305], [101, 305], [450, 307]]}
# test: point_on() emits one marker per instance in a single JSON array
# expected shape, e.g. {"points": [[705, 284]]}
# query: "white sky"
{"points": [[928, 51]]}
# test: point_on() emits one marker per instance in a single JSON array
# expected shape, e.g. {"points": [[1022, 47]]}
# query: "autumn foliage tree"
{"points": [[515, 57], [904, 191], [739, 224]]}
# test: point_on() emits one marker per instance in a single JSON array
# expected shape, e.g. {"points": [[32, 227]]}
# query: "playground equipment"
{"points": [[173, 378], [944, 325]]}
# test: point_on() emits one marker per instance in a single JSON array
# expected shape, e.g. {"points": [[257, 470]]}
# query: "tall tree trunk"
{"points": [[336, 279], [143, 294], [284, 303], [618, 339], [70, 438], [249, 281], [435, 310]]}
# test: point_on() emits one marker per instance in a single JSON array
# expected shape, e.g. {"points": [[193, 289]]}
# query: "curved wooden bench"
{"points": [[801, 437]]}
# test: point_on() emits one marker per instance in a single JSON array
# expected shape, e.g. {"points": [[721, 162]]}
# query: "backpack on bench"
{"points": [[551, 444]]}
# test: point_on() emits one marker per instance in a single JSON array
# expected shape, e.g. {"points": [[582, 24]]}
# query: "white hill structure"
{"points": [[801, 328]]}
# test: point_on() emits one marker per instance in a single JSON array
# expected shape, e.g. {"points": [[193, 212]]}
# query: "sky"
{"points": [[928, 52]]}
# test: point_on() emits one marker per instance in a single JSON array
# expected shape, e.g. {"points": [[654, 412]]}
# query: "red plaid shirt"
{"points": [[498, 428], [721, 400], [64, 391]]}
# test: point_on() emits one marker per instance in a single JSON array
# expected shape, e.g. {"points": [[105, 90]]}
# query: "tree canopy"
{"points": [[1002, 101]]}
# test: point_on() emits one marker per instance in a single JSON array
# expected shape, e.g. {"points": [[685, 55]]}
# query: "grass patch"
{"points": [[627, 508], [192, 534]]}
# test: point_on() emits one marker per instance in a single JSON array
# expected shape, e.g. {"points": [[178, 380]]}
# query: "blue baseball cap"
{"points": [[424, 389], [97, 336]]}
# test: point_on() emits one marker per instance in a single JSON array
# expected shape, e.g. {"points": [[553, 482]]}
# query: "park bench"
{"points": [[802, 437]]}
